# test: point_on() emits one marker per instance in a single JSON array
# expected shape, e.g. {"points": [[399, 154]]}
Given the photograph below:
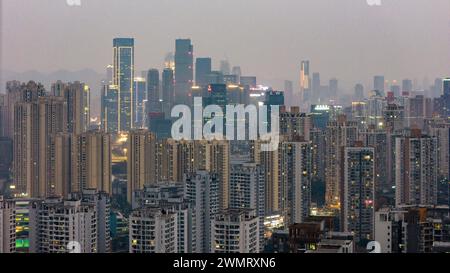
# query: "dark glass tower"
{"points": [[184, 73], [168, 91], [378, 84], [202, 71], [153, 91], [446, 83]]}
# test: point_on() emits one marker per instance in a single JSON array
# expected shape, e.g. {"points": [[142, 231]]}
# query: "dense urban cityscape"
{"points": [[359, 172]]}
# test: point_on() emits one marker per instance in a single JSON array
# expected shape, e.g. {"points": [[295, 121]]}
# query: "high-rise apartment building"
{"points": [[170, 197], [7, 226], [102, 203], [358, 193], [235, 231], [440, 128], [416, 169], [293, 123], [184, 157], [77, 98], [339, 134], [247, 190], [141, 163], [19, 92], [91, 162], [35, 123], [65, 225], [378, 140], [201, 188], [153, 230]]}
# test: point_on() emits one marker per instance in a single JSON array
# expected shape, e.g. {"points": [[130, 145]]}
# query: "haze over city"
{"points": [[349, 40], [225, 127]]}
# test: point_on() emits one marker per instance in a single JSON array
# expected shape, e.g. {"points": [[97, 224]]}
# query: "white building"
{"points": [[235, 231], [170, 197], [153, 230], [388, 223], [66, 225], [102, 203], [7, 226]]}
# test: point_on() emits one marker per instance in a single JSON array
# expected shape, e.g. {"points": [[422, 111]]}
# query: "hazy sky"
{"points": [[347, 39]]}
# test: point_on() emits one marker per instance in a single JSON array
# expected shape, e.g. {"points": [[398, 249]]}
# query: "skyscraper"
{"points": [[91, 162], [225, 67], [304, 82], [378, 84], [76, 220], [3, 113], [235, 231], [110, 108], [446, 84], [416, 169], [201, 188], [34, 124], [295, 180], [184, 70], [77, 97], [202, 71], [359, 193], [334, 89], [139, 101], [19, 92], [236, 70], [315, 88], [153, 230], [289, 92], [268, 160], [359, 92], [339, 134], [153, 85], [7, 226], [407, 85], [141, 161], [247, 190], [123, 78], [168, 90]]}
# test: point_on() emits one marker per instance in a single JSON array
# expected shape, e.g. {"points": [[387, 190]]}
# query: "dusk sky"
{"points": [[346, 39]]}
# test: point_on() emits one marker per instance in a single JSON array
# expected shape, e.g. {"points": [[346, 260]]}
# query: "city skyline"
{"points": [[224, 127], [337, 47]]}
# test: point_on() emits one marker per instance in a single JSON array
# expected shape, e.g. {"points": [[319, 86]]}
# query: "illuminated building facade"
{"points": [[123, 78], [358, 193]]}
